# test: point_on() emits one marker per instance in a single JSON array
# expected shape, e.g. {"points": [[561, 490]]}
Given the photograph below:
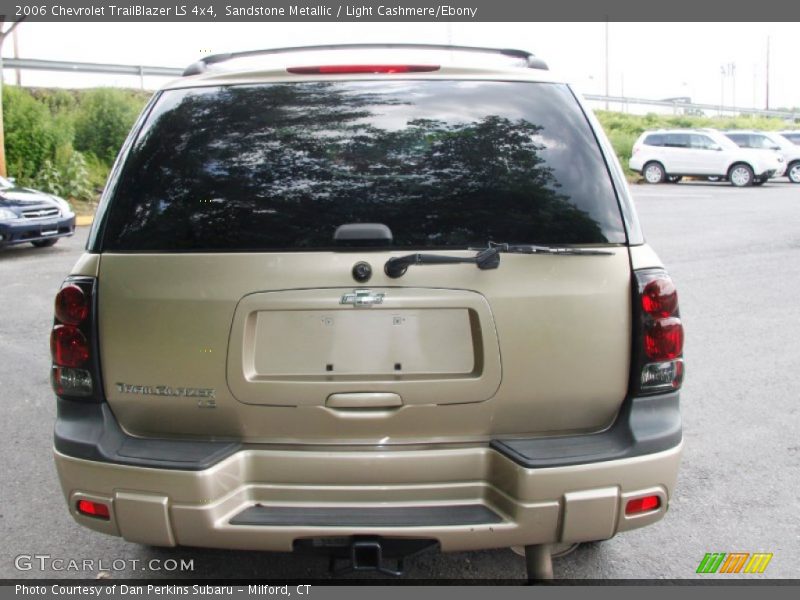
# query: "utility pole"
{"points": [[3, 35], [767, 72], [728, 70], [15, 40]]}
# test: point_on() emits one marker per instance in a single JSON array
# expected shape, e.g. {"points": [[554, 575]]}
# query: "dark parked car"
{"points": [[31, 216]]}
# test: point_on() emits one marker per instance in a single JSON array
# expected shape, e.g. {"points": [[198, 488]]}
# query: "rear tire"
{"points": [[741, 175], [653, 172], [45, 243], [674, 178], [793, 172]]}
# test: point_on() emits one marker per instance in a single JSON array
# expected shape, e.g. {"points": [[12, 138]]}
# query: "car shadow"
{"points": [[22, 251]]}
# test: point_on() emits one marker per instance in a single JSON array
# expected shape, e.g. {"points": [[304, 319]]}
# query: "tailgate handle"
{"points": [[364, 400]]}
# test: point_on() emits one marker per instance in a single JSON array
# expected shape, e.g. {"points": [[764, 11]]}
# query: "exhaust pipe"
{"points": [[539, 562]]}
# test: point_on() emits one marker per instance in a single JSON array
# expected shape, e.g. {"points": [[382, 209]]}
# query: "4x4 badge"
{"points": [[362, 298]]}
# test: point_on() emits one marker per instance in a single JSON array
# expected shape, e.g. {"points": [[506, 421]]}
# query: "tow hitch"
{"points": [[366, 553]]}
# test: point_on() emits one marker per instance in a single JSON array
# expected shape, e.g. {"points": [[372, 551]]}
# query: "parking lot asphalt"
{"points": [[735, 256]]}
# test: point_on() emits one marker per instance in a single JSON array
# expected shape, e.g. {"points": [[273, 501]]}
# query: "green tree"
{"points": [[30, 135], [105, 115]]}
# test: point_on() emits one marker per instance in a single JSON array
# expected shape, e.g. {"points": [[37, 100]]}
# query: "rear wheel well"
{"points": [[736, 164], [741, 174], [654, 163], [793, 164]]}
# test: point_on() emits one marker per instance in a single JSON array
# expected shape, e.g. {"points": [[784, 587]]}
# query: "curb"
{"points": [[83, 220]]}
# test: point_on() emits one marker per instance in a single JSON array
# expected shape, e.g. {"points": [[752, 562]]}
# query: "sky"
{"points": [[646, 60]]}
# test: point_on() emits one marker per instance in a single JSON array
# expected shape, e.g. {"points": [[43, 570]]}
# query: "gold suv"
{"points": [[366, 300]]}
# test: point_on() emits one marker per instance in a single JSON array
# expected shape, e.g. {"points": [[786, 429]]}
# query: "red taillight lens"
{"points": [[72, 305], [69, 346], [660, 298], [663, 339], [345, 69], [641, 505], [93, 509]]}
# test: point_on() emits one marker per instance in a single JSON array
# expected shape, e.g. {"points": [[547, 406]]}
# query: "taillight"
{"points": [[659, 297], [658, 351], [75, 370], [663, 339], [347, 69], [68, 346], [72, 305]]}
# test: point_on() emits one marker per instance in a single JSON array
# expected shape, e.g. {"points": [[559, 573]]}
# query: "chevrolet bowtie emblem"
{"points": [[362, 298]]}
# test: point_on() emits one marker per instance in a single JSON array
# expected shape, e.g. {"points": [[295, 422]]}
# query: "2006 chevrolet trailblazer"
{"points": [[367, 300]]}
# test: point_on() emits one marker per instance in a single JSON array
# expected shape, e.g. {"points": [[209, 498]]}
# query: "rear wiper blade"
{"points": [[489, 258], [552, 250]]}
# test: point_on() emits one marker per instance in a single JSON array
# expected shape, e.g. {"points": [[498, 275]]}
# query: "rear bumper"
{"points": [[20, 231], [465, 498]]}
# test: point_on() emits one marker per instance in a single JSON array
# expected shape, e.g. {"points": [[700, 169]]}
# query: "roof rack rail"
{"points": [[532, 62]]}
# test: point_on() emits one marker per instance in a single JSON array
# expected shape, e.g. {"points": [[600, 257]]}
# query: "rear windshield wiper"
{"points": [[488, 258], [395, 267], [552, 250]]}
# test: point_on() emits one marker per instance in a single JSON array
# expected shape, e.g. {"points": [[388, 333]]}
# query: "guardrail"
{"points": [[150, 71], [678, 105]]}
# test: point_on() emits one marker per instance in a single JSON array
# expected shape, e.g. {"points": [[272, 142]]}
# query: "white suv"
{"points": [[770, 141], [791, 135], [669, 154]]}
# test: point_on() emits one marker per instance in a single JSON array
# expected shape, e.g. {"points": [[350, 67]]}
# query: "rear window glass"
{"points": [[443, 164], [676, 140], [654, 140], [740, 139]]}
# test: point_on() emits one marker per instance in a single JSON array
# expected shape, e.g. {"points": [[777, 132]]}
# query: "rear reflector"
{"points": [[93, 509], [346, 69], [642, 505], [69, 346]]}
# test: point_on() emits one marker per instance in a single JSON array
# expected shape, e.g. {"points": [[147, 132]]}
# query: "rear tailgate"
{"points": [[560, 324]]}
